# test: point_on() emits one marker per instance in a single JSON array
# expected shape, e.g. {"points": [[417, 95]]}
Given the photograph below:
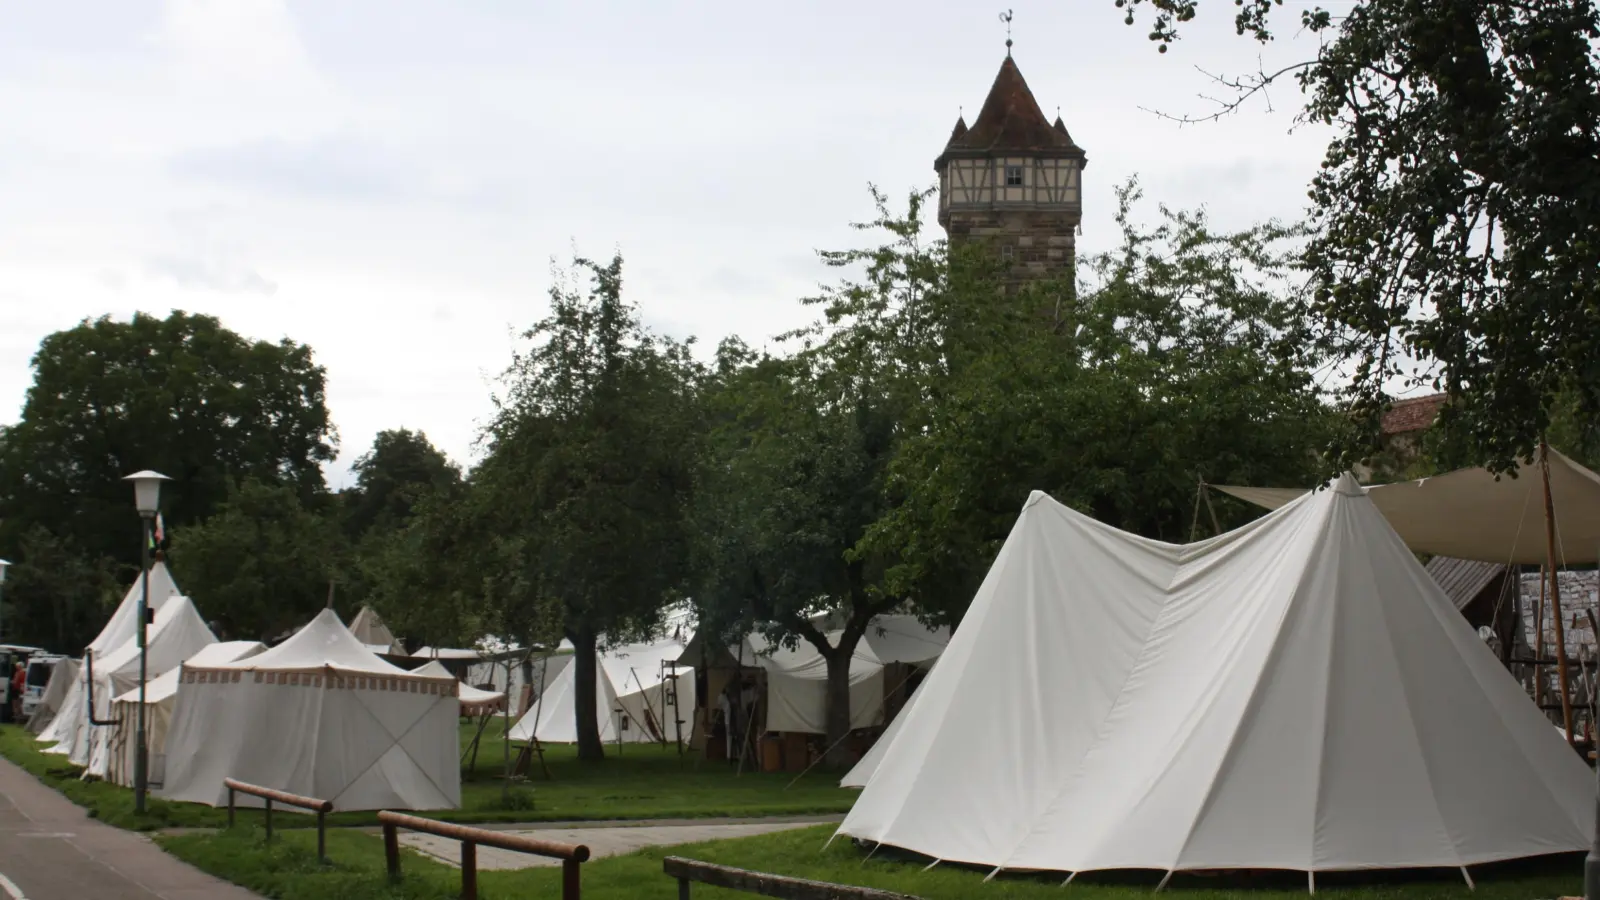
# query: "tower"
{"points": [[1012, 180]]}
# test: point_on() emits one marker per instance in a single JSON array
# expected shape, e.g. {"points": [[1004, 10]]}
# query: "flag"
{"points": [[160, 536]]}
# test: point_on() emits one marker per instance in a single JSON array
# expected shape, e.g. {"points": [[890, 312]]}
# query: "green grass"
{"points": [[642, 782], [288, 871]]}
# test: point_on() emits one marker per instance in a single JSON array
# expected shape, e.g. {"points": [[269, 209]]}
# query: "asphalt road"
{"points": [[51, 850]]}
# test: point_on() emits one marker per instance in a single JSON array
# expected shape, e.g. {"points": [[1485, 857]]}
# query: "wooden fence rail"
{"points": [[320, 807], [571, 855], [780, 886]]}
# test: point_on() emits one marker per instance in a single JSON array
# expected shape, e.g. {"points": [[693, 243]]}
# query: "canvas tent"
{"points": [[178, 633], [1295, 694], [161, 695], [318, 715], [118, 630], [1470, 514], [637, 698], [796, 678], [861, 772], [474, 702], [56, 689], [370, 631]]}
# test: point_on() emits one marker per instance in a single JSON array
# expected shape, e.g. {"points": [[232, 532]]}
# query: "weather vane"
{"points": [[1006, 18]]}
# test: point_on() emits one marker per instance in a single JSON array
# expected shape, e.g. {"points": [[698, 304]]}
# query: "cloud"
{"points": [[213, 273], [328, 168]]}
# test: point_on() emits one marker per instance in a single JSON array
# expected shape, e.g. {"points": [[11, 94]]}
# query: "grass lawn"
{"points": [[642, 782], [287, 870]]}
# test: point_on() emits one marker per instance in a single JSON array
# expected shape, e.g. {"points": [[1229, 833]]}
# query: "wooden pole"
{"points": [[1555, 592], [1538, 643]]}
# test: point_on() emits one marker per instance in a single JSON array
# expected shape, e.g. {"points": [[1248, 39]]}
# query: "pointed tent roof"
{"points": [[472, 699], [1295, 694], [1010, 122], [323, 644], [370, 630], [120, 628]]}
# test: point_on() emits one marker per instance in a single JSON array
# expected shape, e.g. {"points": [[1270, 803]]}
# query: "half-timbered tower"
{"points": [[1012, 180]]}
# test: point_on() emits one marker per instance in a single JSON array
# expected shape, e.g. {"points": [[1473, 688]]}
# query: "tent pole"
{"points": [[986, 879], [937, 861], [1538, 641], [1070, 876], [1311, 882], [1470, 885], [1555, 592], [1164, 879]]}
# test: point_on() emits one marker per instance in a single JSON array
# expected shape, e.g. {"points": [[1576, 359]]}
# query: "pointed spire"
{"points": [[1011, 120], [960, 130]]}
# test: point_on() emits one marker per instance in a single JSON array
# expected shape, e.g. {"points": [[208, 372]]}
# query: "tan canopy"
{"points": [[1471, 514]]}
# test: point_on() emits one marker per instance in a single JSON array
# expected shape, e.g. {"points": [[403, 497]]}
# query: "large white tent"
{"points": [[160, 697], [319, 715], [474, 701], [118, 630], [637, 698], [1472, 514], [178, 633], [1296, 694]]}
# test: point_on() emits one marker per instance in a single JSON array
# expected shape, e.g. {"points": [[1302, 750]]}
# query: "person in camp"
{"points": [[19, 688]]}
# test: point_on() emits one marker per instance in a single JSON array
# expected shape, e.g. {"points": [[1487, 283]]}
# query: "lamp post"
{"points": [[147, 498], [3, 565]]}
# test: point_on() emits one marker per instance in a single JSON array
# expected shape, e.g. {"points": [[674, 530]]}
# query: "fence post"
{"points": [[570, 885], [469, 871], [391, 850], [230, 807], [683, 889], [322, 836], [269, 817]]}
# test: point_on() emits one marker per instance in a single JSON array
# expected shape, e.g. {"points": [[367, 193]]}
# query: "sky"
{"points": [[390, 181]]}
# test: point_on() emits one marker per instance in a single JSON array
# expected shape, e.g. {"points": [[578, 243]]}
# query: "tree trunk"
{"points": [[838, 698], [584, 664]]}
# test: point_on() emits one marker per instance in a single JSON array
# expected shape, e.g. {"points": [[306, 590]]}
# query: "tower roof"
{"points": [[1011, 121]]}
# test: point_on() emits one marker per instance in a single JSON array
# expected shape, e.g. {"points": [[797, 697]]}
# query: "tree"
{"points": [[56, 596], [181, 395], [1185, 358], [262, 563], [586, 483], [401, 468], [800, 449], [1455, 215]]}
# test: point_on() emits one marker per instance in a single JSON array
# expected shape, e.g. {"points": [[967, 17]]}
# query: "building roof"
{"points": [[1412, 414], [1010, 122]]}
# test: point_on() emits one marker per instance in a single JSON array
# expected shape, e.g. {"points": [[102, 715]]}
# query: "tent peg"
{"points": [[870, 852], [932, 864], [990, 877], [1070, 876], [1470, 885], [829, 842], [1164, 879]]}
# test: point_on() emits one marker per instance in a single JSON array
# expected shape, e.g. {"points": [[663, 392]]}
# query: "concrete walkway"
{"points": [[51, 850], [602, 839]]}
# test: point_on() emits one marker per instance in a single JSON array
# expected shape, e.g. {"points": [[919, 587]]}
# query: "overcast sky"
{"points": [[387, 180]]}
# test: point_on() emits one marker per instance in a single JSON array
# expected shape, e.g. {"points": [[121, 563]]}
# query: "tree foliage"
{"points": [[401, 468], [56, 596], [182, 395], [262, 564], [1455, 209], [586, 483]]}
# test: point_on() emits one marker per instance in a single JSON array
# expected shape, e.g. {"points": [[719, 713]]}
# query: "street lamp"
{"points": [[3, 565], [147, 498]]}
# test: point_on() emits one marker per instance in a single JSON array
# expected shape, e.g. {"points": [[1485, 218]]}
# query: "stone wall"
{"points": [[1043, 243]]}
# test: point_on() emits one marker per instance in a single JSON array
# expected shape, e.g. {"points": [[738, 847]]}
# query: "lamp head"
{"points": [[3, 565], [147, 491]]}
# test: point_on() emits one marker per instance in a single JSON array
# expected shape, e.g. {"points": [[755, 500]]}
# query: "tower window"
{"points": [[1013, 176], [1008, 253]]}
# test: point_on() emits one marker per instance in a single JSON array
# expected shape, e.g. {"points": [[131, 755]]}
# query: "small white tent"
{"points": [[178, 633], [318, 715], [474, 701], [1295, 694], [161, 695], [637, 700], [370, 631], [62, 677], [118, 630]]}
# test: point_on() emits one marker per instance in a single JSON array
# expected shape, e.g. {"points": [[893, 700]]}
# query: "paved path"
{"points": [[607, 839], [51, 850]]}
